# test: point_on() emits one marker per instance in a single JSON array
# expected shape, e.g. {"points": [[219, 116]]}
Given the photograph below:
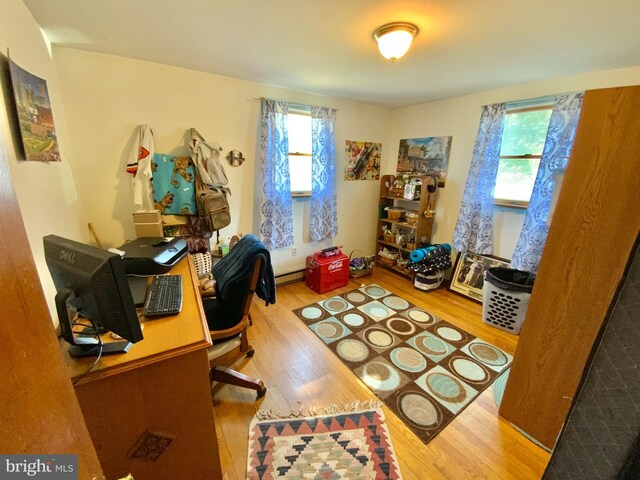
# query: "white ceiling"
{"points": [[326, 46]]}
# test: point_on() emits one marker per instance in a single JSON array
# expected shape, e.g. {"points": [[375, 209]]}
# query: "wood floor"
{"points": [[298, 369]]}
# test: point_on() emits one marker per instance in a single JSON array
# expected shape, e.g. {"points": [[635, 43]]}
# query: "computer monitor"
{"points": [[92, 283]]}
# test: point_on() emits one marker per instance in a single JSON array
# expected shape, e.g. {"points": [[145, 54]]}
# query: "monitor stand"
{"points": [[93, 350], [84, 345], [93, 331]]}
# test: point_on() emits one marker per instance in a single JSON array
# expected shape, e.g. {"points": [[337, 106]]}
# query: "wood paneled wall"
{"points": [[595, 225]]}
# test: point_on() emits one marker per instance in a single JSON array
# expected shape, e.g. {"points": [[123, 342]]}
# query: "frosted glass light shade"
{"points": [[394, 39]]}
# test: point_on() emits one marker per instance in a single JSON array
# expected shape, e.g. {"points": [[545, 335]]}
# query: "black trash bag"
{"points": [[510, 279]]}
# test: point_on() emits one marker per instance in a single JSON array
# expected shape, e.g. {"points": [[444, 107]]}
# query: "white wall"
{"points": [[98, 99], [107, 96], [460, 117], [46, 192]]}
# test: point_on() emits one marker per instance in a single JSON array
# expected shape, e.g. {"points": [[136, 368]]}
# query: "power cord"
{"points": [[101, 347]]}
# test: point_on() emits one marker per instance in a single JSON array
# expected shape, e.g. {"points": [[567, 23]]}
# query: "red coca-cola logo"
{"points": [[335, 266]]}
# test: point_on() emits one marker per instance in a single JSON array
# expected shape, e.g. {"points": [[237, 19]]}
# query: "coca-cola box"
{"points": [[326, 273]]}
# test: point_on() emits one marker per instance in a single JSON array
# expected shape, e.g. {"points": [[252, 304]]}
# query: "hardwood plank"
{"points": [[298, 369]]}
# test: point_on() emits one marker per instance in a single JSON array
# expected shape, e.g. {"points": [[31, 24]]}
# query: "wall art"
{"points": [[363, 160], [425, 156], [35, 117]]}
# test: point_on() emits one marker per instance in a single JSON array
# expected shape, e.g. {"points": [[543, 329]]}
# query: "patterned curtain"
{"points": [[562, 129], [474, 228], [324, 213], [276, 217]]}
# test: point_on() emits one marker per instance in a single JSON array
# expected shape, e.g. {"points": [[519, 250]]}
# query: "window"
{"points": [[299, 130], [525, 131]]}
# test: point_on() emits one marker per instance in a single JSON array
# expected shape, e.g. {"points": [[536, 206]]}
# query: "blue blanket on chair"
{"points": [[238, 263]]}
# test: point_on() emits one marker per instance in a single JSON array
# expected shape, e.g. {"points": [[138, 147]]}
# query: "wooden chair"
{"points": [[231, 344]]}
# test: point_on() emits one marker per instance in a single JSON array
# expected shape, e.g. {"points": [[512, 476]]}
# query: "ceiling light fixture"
{"points": [[394, 39]]}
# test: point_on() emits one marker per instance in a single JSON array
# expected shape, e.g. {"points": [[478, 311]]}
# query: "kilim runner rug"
{"points": [[350, 445], [423, 368]]}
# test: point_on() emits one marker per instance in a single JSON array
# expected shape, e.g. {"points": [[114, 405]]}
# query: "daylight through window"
{"points": [[525, 131], [299, 130]]}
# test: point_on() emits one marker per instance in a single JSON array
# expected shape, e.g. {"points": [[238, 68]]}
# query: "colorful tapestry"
{"points": [[353, 445], [424, 369], [173, 184]]}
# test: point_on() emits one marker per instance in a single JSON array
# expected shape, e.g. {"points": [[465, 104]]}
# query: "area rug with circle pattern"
{"points": [[423, 368]]}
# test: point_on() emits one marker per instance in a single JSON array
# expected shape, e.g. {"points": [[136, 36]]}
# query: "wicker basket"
{"points": [[389, 237], [390, 262], [394, 213], [389, 259], [368, 264], [411, 217]]}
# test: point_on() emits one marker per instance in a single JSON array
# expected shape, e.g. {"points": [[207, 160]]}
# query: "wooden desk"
{"points": [[161, 386]]}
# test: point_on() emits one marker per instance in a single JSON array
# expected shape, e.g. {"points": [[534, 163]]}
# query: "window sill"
{"points": [[499, 202], [300, 194]]}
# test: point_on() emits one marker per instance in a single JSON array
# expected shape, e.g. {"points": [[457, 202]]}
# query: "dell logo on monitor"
{"points": [[68, 256]]}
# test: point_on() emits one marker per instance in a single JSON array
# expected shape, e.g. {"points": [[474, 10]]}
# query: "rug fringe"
{"points": [[314, 411]]}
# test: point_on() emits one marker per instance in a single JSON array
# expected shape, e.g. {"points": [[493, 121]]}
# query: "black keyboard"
{"points": [[164, 296]]}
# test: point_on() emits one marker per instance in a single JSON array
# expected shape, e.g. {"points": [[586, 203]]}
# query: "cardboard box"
{"points": [[148, 223], [146, 216], [324, 274], [148, 229]]}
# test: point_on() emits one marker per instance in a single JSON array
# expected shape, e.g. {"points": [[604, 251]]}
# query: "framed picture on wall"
{"points": [[468, 273]]}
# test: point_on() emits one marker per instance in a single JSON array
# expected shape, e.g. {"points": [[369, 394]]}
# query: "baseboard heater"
{"points": [[286, 278]]}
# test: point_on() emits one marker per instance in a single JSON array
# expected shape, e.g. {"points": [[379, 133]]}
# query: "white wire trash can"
{"points": [[505, 298]]}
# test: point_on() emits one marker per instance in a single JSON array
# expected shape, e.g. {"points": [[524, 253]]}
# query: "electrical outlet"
{"points": [[294, 251]]}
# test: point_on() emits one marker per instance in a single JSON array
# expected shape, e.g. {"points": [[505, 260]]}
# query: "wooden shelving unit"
{"points": [[424, 207]]}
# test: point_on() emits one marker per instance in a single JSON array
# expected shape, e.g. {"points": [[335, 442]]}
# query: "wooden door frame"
{"points": [[39, 411], [594, 230]]}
